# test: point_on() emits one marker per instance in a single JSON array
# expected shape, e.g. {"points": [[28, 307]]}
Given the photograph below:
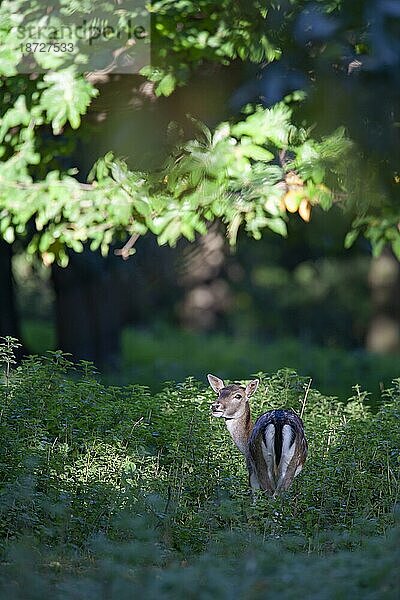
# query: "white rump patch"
{"points": [[254, 483], [288, 449], [299, 468], [268, 450]]}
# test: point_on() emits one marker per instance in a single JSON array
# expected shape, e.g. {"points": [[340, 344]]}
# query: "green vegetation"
{"points": [[221, 174], [151, 357], [120, 484], [39, 336], [248, 171], [109, 491]]}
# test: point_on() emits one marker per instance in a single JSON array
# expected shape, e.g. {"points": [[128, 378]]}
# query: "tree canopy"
{"points": [[307, 129]]}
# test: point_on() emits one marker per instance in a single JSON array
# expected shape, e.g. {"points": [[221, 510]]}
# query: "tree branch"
{"points": [[125, 251]]}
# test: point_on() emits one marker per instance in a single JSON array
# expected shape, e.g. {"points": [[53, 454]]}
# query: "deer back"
{"points": [[277, 449]]}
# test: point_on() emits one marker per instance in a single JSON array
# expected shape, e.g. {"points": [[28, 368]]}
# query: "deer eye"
{"points": [[238, 396]]}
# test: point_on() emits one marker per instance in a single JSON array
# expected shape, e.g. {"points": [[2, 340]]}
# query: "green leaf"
{"points": [[377, 246], [18, 114], [9, 235], [170, 233], [396, 247], [143, 207], [351, 237], [188, 231], [46, 240], [166, 86], [271, 124], [318, 173], [256, 152], [277, 225], [119, 171], [66, 97]]}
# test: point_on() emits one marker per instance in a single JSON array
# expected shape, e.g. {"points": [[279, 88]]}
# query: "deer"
{"points": [[275, 447]]}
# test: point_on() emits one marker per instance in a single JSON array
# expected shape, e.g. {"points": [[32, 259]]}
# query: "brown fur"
{"points": [[232, 404]]}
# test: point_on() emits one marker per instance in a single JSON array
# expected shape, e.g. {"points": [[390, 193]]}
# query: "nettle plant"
{"points": [[76, 454]]}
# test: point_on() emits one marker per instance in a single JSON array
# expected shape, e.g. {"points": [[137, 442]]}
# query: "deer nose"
{"points": [[215, 406]]}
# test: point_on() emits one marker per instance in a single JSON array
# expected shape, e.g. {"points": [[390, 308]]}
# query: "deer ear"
{"points": [[215, 382], [251, 387]]}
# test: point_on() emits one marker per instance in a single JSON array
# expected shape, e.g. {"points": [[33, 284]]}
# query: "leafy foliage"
{"points": [[186, 34], [247, 173], [151, 357], [131, 484], [223, 174], [65, 98]]}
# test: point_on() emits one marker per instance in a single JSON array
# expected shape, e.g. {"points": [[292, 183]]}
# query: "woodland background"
{"points": [[250, 176]]}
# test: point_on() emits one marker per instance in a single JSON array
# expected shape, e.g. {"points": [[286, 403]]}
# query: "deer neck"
{"points": [[240, 429]]}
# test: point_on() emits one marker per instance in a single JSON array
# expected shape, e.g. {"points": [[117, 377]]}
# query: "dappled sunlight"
{"points": [[95, 475], [189, 188], [103, 448]]}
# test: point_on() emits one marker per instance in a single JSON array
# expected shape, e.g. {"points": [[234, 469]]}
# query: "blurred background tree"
{"points": [[319, 85]]}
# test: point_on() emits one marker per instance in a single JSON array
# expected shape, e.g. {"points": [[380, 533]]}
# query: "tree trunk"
{"points": [[96, 297], [384, 279], [207, 295], [87, 319], [9, 324]]}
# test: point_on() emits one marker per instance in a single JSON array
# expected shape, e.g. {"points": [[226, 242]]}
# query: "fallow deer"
{"points": [[275, 447]]}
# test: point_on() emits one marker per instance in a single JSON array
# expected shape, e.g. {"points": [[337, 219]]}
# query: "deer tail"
{"points": [[277, 434]]}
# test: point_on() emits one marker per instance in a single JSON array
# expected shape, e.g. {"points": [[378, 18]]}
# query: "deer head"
{"points": [[275, 448], [233, 400]]}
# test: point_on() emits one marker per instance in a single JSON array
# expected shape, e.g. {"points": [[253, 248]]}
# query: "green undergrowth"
{"points": [[116, 492], [154, 356]]}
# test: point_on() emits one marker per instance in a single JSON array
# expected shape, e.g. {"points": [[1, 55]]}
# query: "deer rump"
{"points": [[277, 450]]}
